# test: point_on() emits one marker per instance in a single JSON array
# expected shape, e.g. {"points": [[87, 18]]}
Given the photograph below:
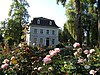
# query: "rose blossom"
{"points": [[88, 56], [92, 50], [92, 72], [19, 45], [79, 50], [48, 56], [75, 53], [12, 58], [5, 61], [52, 52], [35, 68], [4, 66], [47, 60], [57, 49], [86, 51], [11, 69], [80, 61], [50, 68], [40, 68], [76, 45], [85, 60], [65, 65], [12, 52]]}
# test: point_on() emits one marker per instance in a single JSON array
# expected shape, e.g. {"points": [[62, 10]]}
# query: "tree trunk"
{"points": [[78, 22], [99, 22]]}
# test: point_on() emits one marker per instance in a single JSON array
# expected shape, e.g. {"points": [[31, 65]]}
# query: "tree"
{"points": [[78, 19], [99, 22], [60, 35], [18, 16], [87, 15], [71, 15]]}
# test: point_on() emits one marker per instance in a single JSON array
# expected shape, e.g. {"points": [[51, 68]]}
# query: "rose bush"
{"points": [[26, 60]]}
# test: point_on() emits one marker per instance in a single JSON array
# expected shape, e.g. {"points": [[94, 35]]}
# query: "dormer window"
{"points": [[38, 21], [50, 23]]}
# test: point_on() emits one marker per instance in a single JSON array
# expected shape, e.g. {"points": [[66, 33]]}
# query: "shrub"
{"points": [[60, 45], [26, 60]]}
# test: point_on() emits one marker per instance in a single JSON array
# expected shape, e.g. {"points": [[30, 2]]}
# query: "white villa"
{"points": [[42, 32]]}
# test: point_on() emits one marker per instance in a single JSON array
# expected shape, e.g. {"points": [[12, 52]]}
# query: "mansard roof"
{"points": [[43, 22]]}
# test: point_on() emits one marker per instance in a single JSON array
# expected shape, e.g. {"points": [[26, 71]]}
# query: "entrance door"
{"points": [[47, 41]]}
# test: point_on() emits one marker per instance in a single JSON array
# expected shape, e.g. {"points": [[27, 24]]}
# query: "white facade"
{"points": [[42, 35]]}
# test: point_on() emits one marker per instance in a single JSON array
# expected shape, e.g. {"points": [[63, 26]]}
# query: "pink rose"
{"points": [[86, 51], [4, 66], [5, 61], [47, 60], [48, 56], [76, 45], [79, 50], [85, 60], [52, 52], [80, 61], [57, 49]]}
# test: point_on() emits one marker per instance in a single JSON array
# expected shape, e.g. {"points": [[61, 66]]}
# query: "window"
{"points": [[53, 41], [41, 40], [41, 31], [47, 31], [38, 21], [35, 31], [35, 40], [50, 23], [53, 32]]}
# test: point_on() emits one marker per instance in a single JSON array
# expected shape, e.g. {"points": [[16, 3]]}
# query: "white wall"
{"points": [[44, 35]]}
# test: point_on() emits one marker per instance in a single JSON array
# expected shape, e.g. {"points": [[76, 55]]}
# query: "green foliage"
{"points": [[63, 2], [60, 45], [82, 16], [24, 59], [18, 16], [86, 7]]}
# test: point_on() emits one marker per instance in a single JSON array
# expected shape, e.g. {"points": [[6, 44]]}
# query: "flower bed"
{"points": [[25, 60]]}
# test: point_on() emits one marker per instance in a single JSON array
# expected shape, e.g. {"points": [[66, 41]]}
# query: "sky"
{"points": [[38, 8]]}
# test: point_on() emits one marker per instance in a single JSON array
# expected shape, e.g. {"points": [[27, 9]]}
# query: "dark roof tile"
{"points": [[43, 22]]}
